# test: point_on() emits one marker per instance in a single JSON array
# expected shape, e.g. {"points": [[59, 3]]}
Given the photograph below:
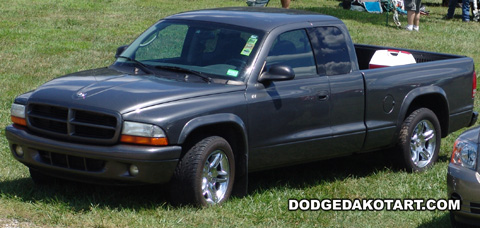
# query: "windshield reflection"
{"points": [[182, 47]]}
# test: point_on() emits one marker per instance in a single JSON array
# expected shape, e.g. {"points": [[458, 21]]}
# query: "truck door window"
{"points": [[293, 49], [331, 51]]}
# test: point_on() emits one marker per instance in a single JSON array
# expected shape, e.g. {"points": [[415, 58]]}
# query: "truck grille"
{"points": [[71, 162], [73, 124]]}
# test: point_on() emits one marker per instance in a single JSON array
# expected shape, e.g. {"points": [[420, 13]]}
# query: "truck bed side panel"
{"points": [[391, 91]]}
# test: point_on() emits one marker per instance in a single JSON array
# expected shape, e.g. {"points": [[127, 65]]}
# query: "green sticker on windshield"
{"points": [[232, 72], [249, 45]]}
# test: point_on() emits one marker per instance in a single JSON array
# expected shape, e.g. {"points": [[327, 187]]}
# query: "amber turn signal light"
{"points": [[19, 121], [144, 140]]}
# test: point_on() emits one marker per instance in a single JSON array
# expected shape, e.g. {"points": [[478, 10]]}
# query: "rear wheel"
{"points": [[419, 141], [204, 176]]}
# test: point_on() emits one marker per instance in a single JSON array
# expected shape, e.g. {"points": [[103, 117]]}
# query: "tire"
{"points": [[204, 175], [419, 140]]}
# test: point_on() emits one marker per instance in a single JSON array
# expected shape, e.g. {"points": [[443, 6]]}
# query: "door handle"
{"points": [[323, 97]]}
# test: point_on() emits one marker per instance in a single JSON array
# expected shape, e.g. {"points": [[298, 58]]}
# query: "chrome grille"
{"points": [[73, 124]]}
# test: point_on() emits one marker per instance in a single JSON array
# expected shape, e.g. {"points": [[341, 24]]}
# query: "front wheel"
{"points": [[204, 175], [420, 139]]}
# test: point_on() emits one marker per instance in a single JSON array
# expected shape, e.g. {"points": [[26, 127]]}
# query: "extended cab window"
{"points": [[293, 49], [331, 51]]}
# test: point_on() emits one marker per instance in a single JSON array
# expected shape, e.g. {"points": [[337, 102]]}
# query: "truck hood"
{"points": [[112, 90]]}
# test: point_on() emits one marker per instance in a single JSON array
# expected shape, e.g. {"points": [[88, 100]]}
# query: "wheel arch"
{"points": [[433, 98], [228, 126]]}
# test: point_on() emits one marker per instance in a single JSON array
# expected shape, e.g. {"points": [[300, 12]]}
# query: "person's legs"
{"points": [[411, 7], [451, 8], [416, 22], [410, 17], [416, 17], [465, 10], [285, 3]]}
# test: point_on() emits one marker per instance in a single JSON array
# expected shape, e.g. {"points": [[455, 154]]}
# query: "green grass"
{"points": [[43, 39]]}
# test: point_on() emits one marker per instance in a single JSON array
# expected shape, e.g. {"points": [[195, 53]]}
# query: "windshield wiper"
{"points": [[142, 66], [184, 70]]}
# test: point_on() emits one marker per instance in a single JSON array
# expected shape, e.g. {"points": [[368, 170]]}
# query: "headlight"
{"points": [[464, 154], [140, 133], [17, 114]]}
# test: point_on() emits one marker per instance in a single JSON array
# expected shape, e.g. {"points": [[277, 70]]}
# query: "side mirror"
{"points": [[277, 73], [120, 50]]}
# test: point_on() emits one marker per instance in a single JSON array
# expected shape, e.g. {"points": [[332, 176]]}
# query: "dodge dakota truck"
{"points": [[203, 98]]}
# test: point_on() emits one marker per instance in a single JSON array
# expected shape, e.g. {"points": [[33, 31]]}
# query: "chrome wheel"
{"points": [[419, 140], [215, 177], [205, 174], [423, 143]]}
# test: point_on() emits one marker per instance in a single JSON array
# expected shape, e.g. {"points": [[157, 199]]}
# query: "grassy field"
{"points": [[43, 39]]}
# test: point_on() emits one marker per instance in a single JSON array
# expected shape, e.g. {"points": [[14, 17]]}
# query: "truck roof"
{"points": [[261, 18]]}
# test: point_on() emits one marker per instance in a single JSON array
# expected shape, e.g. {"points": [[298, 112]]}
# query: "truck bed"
{"points": [[428, 82], [365, 53]]}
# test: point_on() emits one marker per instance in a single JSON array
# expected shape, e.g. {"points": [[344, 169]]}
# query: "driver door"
{"points": [[289, 121]]}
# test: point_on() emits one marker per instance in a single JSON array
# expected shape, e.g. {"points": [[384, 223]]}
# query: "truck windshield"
{"points": [[211, 49]]}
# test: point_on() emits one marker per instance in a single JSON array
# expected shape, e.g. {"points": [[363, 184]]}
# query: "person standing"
{"points": [[465, 10], [413, 14]]}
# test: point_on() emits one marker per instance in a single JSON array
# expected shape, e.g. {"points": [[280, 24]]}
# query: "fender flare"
{"points": [[414, 94], [201, 121], [240, 188]]}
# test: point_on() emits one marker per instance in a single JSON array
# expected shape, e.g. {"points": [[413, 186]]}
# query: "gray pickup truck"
{"points": [[202, 98]]}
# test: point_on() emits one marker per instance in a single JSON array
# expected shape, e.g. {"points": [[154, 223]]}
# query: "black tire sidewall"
{"points": [[186, 185], [217, 143], [406, 133]]}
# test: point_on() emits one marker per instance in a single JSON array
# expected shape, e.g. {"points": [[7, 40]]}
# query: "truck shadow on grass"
{"points": [[337, 169], [78, 197], [310, 174], [443, 221]]}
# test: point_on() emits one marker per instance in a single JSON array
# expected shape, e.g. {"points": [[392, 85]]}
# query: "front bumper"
{"points": [[464, 183], [94, 163]]}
